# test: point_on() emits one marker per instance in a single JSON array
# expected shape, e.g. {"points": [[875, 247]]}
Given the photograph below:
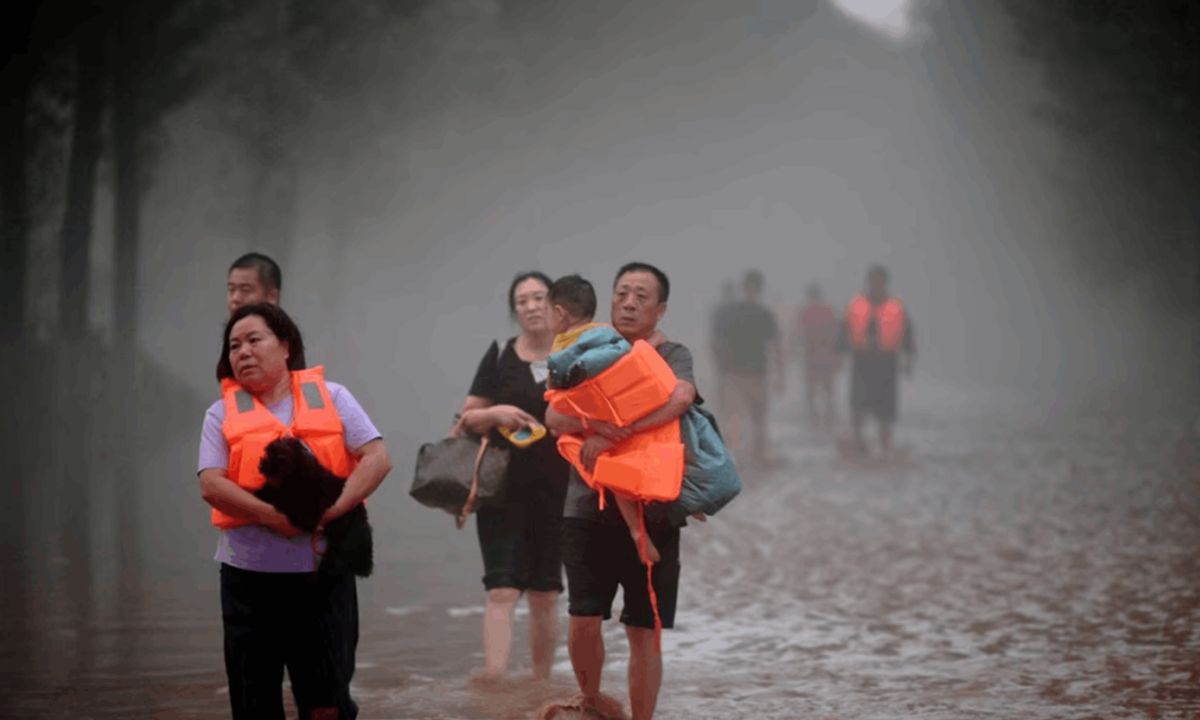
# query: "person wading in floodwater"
{"points": [[752, 347], [814, 342], [879, 335], [599, 553]]}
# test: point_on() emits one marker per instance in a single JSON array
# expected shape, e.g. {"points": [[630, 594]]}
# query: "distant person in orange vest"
{"points": [[814, 340], [253, 278], [879, 334], [752, 345]]}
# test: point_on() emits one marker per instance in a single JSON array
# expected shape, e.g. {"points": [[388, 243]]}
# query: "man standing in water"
{"points": [[879, 333], [253, 278], [752, 346], [718, 330], [598, 550]]}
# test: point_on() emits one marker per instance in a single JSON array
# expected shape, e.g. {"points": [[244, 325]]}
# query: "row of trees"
{"points": [[1125, 75], [88, 88]]}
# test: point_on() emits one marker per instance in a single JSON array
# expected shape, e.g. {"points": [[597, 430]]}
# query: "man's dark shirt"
{"points": [[748, 330]]}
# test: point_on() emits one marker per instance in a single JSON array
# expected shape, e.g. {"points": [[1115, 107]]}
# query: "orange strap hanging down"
{"points": [[643, 539]]}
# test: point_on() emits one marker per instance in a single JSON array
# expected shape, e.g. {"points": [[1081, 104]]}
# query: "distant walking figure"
{"points": [[879, 334], [814, 340], [750, 345]]}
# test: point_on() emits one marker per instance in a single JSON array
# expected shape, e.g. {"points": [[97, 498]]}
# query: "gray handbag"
{"points": [[459, 475]]}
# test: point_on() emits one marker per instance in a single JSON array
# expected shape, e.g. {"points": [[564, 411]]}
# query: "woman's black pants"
{"points": [[305, 622]]}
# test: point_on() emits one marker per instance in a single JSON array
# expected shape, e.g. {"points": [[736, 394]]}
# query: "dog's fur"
{"points": [[302, 489]]}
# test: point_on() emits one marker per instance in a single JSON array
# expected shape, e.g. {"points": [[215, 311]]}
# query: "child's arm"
{"points": [[563, 424], [629, 511]]}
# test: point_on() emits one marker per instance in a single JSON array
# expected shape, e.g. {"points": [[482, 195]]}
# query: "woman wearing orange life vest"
{"points": [[278, 613], [879, 334]]}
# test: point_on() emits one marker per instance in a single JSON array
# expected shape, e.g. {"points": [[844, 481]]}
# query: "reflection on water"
{"points": [[1011, 571]]}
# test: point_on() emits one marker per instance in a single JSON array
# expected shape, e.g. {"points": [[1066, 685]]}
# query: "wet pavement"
{"points": [[1014, 568]]}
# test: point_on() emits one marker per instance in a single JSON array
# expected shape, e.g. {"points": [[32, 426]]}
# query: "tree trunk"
{"points": [[126, 128], [14, 194], [81, 183], [17, 360]]}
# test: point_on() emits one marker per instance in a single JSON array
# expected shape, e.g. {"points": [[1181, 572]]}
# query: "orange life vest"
{"points": [[647, 466], [249, 427], [889, 317], [625, 392]]}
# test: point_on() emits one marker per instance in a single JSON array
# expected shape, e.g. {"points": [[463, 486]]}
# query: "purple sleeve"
{"points": [[214, 451], [357, 425]]}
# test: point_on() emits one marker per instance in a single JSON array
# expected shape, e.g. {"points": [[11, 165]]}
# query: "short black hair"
{"points": [[268, 270], [278, 322], [753, 280], [664, 285], [878, 270], [541, 277], [575, 294]]}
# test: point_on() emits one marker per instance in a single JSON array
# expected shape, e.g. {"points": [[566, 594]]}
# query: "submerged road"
{"points": [[1015, 568]]}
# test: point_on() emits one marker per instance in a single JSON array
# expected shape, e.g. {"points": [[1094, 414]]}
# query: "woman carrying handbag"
{"points": [[520, 537]]}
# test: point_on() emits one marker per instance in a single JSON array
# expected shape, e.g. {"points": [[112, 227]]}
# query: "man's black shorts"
{"points": [[600, 556], [873, 385]]}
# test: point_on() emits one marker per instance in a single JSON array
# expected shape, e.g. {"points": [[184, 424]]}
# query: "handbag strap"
{"points": [[469, 506]]}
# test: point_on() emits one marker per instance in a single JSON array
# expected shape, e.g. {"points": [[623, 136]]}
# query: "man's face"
{"points": [[636, 309], [245, 287]]}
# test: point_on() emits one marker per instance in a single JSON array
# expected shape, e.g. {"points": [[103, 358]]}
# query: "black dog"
{"points": [[302, 489]]}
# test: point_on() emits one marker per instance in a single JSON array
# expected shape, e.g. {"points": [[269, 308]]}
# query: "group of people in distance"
{"points": [[751, 356]]}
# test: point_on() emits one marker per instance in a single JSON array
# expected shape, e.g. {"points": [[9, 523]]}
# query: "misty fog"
{"points": [[439, 153]]}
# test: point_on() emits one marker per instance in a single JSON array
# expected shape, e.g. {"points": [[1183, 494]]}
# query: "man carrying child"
{"points": [[601, 547]]}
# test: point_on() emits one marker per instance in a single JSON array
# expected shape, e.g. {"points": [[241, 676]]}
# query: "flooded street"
{"points": [[1016, 568], [1005, 190]]}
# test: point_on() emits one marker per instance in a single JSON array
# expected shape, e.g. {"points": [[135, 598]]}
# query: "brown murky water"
{"points": [[1012, 570]]}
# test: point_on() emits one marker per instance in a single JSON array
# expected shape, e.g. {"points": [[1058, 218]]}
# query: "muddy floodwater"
{"points": [[1017, 567]]}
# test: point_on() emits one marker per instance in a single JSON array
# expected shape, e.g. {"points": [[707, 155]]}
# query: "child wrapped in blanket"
{"points": [[573, 307]]}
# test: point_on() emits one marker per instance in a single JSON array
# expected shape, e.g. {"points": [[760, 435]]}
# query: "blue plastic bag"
{"points": [[710, 479]]}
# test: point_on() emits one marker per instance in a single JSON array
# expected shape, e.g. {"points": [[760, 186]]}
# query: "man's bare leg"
{"points": [[543, 630], [497, 629], [585, 645], [645, 672]]}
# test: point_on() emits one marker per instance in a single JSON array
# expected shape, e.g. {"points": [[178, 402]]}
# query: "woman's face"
{"points": [[258, 358], [532, 305]]}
